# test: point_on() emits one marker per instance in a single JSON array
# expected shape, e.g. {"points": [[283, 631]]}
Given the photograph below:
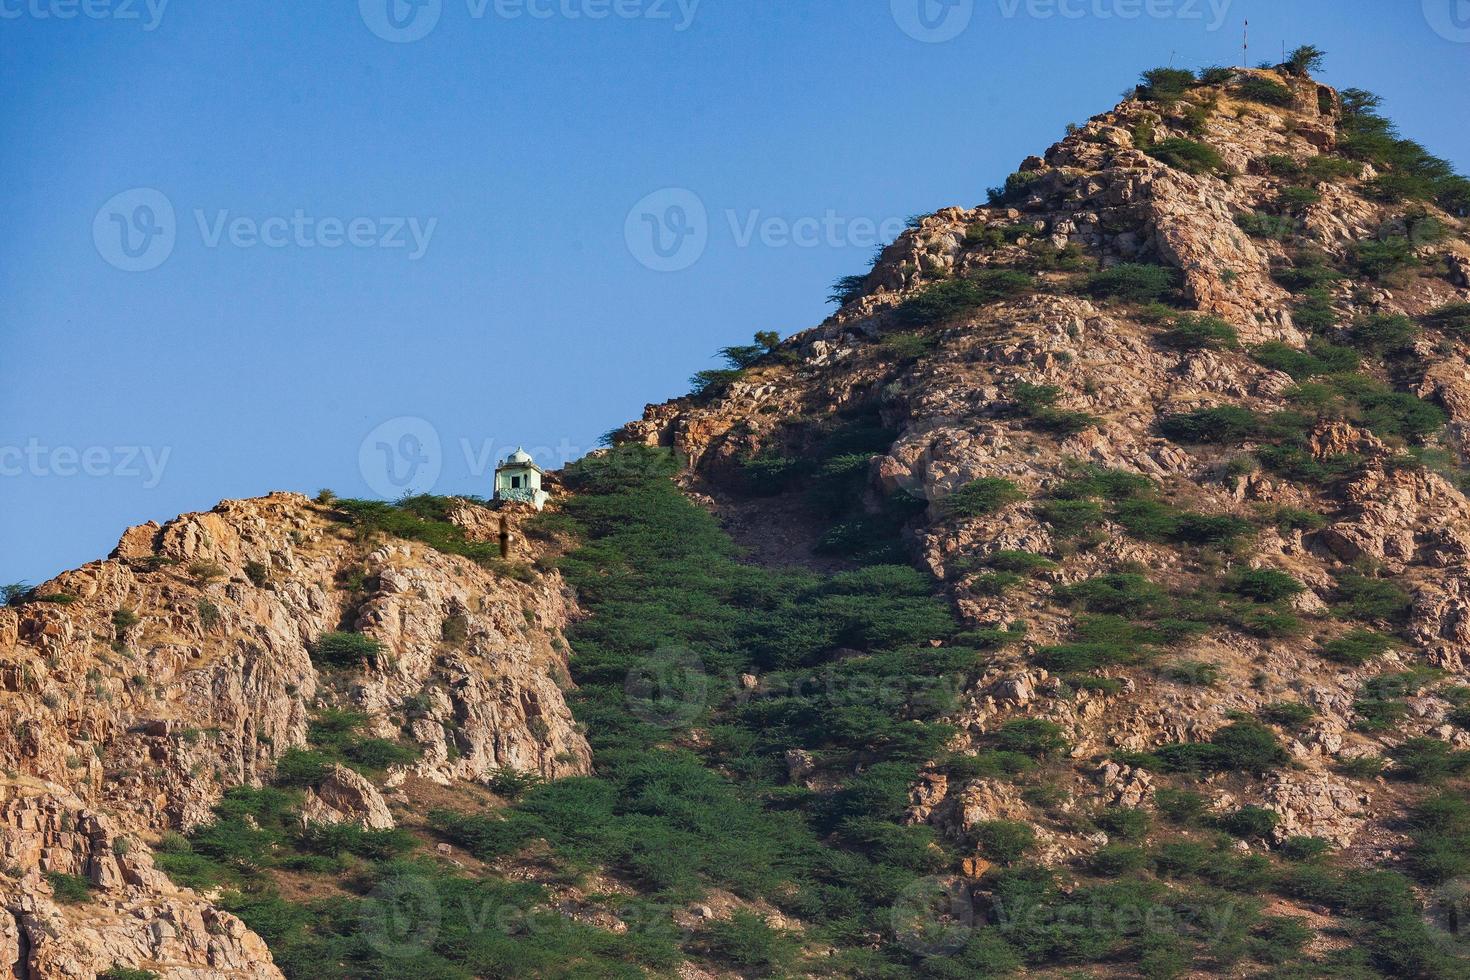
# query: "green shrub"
{"points": [[1250, 822], [1192, 333], [1019, 562], [1428, 760], [981, 497], [906, 346], [1188, 155], [1306, 60], [1310, 271], [69, 889], [748, 942], [1118, 860], [1005, 841], [1165, 84], [1240, 747], [345, 650], [1123, 823], [1371, 599], [1357, 648], [1264, 585], [126, 973], [1305, 848], [1016, 188], [1265, 91], [1181, 806], [1069, 518], [302, 767], [1452, 319], [953, 297], [1295, 198], [1032, 737], [1383, 333], [1381, 258], [1133, 283], [1193, 673], [1291, 715], [1225, 424], [1125, 594], [1320, 358], [1270, 226], [258, 573]]}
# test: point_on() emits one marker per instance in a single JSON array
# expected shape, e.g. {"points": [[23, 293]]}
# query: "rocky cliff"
{"points": [[138, 689]]}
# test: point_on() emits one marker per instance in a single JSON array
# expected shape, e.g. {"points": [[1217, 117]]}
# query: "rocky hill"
{"points": [[1103, 561]]}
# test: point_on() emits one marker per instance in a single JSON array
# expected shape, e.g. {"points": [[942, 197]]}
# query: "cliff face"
{"points": [[946, 388], [144, 686]]}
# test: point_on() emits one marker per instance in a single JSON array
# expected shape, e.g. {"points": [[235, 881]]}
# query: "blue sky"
{"points": [[379, 241]]}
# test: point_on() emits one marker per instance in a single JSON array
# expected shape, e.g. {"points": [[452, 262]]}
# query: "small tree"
{"points": [[1306, 60], [14, 593]]}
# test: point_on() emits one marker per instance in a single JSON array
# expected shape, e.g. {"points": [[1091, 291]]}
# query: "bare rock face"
{"points": [[132, 915], [140, 688], [1317, 805], [345, 796]]}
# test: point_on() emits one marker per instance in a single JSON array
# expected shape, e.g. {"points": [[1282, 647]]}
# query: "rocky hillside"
{"points": [[1089, 595], [139, 689]]}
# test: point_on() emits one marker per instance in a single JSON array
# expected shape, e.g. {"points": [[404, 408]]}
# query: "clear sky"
{"points": [[245, 245]]}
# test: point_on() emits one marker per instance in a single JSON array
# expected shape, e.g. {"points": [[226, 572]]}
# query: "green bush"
{"points": [[1250, 823], [1452, 319], [981, 497], [1383, 333], [1305, 848], [1019, 562], [1225, 424], [69, 889], [1165, 84], [1121, 593], [953, 297], [1428, 760], [1133, 283], [345, 650], [1264, 585], [1192, 333], [1188, 155], [1370, 599], [1032, 737], [1241, 747], [1016, 188], [1265, 91], [1181, 806], [1069, 518], [1305, 60], [1291, 715], [746, 941], [1124, 823], [126, 973], [1005, 841], [1357, 648], [1381, 258], [1320, 358]]}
